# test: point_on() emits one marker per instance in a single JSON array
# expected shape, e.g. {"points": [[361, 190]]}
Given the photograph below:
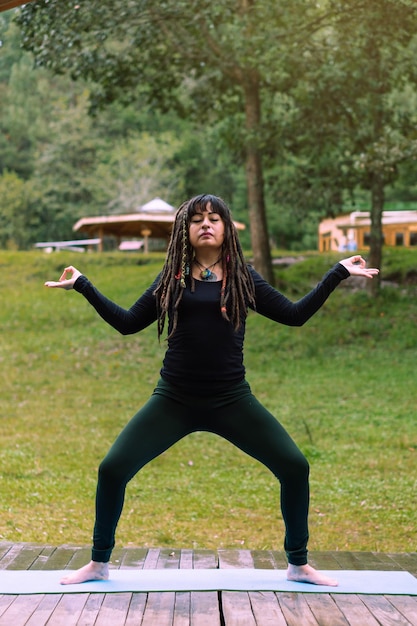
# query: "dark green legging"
{"points": [[234, 414]]}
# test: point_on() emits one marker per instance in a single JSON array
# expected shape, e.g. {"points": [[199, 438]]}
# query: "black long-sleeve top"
{"points": [[205, 352]]}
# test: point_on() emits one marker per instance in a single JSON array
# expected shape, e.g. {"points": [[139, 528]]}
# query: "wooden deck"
{"points": [[203, 608]]}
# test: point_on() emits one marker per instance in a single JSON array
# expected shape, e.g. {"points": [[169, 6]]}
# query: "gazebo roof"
{"points": [[128, 225], [11, 4]]}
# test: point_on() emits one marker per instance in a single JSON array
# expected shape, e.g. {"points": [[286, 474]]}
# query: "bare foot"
{"points": [[307, 574], [92, 571]]}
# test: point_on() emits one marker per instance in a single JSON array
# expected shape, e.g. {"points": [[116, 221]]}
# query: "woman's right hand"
{"points": [[64, 282]]}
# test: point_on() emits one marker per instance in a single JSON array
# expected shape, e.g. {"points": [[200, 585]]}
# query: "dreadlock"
{"points": [[237, 290]]}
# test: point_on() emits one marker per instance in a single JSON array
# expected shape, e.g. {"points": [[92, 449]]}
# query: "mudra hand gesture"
{"points": [[64, 282], [356, 266]]}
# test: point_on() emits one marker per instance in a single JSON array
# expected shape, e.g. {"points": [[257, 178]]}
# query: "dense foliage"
{"points": [[58, 162], [290, 110]]}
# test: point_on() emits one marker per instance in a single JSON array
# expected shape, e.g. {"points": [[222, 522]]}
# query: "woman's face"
{"points": [[206, 230]]}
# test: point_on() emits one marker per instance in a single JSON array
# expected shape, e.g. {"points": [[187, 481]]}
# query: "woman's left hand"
{"points": [[356, 266], [64, 282]]}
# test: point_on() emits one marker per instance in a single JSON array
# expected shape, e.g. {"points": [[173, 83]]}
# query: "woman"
{"points": [[204, 291]]}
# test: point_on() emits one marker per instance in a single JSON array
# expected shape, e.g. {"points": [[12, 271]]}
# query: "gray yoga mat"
{"points": [[143, 580]]}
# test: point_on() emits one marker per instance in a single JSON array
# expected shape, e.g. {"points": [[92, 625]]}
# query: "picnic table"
{"points": [[74, 245]]}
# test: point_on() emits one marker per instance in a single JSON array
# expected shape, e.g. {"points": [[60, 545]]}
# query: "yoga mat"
{"points": [[19, 582]]}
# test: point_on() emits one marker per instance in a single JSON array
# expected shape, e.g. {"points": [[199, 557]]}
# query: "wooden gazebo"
{"points": [[154, 219]]}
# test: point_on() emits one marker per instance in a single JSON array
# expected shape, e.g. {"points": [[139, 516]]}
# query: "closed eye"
{"points": [[213, 217]]}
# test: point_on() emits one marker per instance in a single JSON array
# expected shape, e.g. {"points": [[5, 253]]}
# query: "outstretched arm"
{"points": [[273, 304], [356, 266], [127, 321]]}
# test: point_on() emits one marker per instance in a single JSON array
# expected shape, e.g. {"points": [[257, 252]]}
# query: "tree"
{"points": [[22, 216], [210, 61], [311, 87], [354, 106], [21, 104], [384, 58]]}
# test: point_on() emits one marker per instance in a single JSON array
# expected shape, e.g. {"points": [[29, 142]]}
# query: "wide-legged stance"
{"points": [[234, 414]]}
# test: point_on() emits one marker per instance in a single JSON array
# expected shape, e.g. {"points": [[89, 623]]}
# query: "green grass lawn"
{"points": [[343, 386]]}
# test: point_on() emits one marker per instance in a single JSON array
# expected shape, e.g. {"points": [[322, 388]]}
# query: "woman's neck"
{"points": [[208, 258], [207, 267]]}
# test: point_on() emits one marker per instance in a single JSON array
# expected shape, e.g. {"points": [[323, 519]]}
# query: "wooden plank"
{"points": [[159, 609], [4, 549], [168, 559], [232, 559], [186, 559], [80, 556], [348, 560], [197, 608], [367, 560], [384, 611], [253, 607], [324, 609], [323, 560], [21, 556], [53, 558], [205, 559], [117, 557], [406, 605], [263, 559], [280, 559], [237, 609], [205, 608], [44, 610], [296, 610], [406, 561], [20, 610], [91, 610], [151, 558], [182, 609], [68, 609], [352, 607], [160, 606], [205, 605], [386, 562], [266, 609], [236, 605], [114, 609], [136, 609], [265, 606], [5, 602], [133, 558], [42, 558]]}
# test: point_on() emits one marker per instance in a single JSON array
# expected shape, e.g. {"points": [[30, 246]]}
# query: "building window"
{"points": [[413, 239], [399, 239], [367, 239]]}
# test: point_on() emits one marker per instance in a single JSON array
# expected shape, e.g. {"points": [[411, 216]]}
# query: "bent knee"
{"points": [[295, 468], [110, 469], [303, 466]]}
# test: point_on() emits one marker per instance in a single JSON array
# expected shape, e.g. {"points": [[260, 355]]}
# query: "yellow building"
{"points": [[352, 231]]}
